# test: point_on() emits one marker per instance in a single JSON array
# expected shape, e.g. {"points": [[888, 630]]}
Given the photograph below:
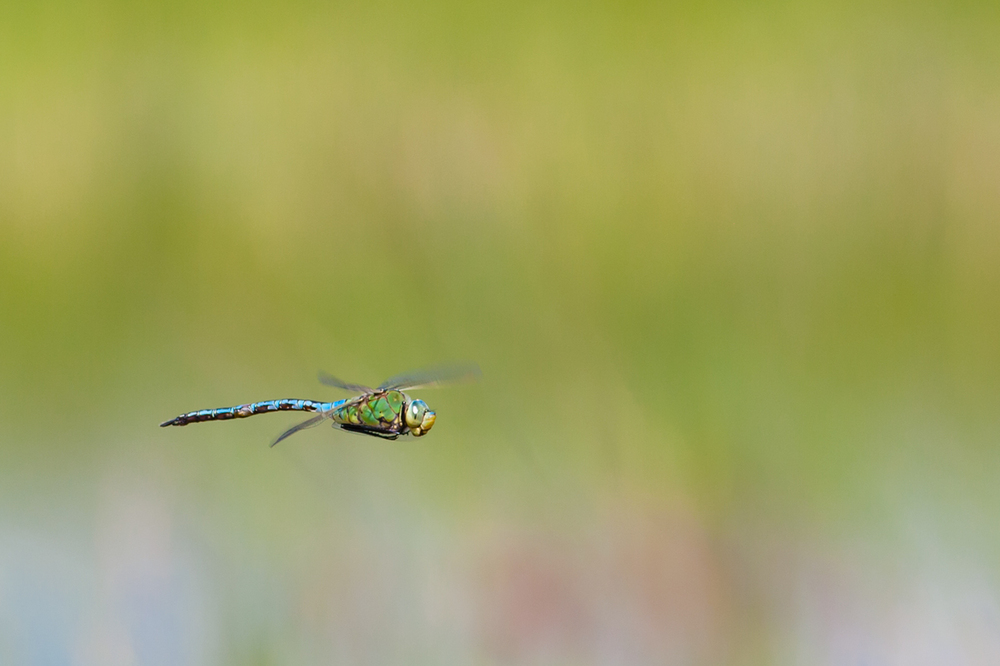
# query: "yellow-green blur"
{"points": [[731, 271]]}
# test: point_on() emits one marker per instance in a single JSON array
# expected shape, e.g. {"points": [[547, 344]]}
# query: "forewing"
{"points": [[314, 421], [442, 375], [330, 380]]}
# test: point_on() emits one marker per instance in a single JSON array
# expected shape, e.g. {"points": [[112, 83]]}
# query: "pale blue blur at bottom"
{"points": [[731, 275]]}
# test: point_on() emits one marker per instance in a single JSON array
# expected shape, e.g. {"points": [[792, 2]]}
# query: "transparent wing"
{"points": [[314, 421], [442, 375], [330, 380]]}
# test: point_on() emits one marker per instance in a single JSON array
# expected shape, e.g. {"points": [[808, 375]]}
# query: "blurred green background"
{"points": [[731, 273]]}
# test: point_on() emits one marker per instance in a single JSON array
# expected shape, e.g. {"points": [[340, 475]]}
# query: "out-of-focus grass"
{"points": [[731, 275]]}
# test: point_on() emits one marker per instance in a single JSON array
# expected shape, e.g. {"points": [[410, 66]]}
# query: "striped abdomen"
{"points": [[243, 411]]}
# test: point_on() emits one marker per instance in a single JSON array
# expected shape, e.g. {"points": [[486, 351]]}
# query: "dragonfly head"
{"points": [[419, 418]]}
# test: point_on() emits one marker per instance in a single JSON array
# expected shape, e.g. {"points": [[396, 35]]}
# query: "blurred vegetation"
{"points": [[740, 260]]}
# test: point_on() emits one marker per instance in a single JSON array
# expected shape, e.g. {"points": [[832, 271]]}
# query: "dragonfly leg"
{"points": [[361, 430]]}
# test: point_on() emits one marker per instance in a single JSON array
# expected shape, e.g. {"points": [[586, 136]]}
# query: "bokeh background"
{"points": [[732, 274]]}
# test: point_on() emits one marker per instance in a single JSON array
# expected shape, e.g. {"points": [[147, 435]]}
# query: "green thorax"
{"points": [[382, 410]]}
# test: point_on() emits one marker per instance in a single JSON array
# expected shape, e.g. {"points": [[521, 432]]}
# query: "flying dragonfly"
{"points": [[385, 411]]}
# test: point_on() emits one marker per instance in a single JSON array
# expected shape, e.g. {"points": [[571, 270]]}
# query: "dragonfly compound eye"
{"points": [[415, 412]]}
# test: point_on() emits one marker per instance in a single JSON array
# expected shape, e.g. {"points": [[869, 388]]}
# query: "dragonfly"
{"points": [[385, 411]]}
